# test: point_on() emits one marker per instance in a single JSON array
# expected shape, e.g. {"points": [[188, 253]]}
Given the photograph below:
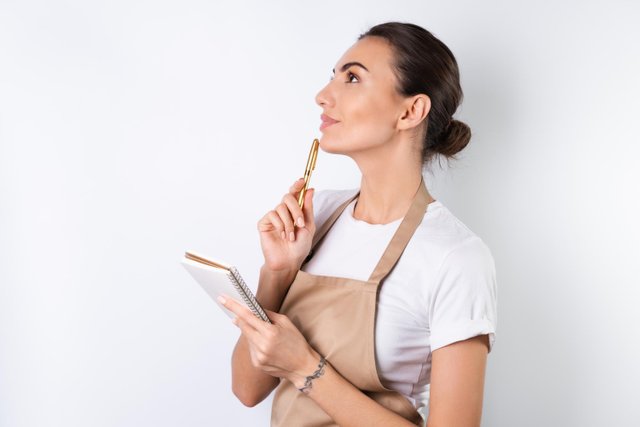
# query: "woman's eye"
{"points": [[349, 75]]}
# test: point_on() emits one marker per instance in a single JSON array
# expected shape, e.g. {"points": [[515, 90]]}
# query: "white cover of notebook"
{"points": [[217, 281]]}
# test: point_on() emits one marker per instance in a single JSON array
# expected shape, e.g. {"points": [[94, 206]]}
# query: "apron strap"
{"points": [[320, 232], [403, 234]]}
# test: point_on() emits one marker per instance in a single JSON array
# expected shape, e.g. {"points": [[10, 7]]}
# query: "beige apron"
{"points": [[337, 317]]}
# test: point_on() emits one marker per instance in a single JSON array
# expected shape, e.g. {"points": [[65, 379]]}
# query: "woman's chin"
{"points": [[329, 145]]}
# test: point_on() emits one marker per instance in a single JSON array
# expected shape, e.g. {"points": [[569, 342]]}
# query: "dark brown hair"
{"points": [[423, 64]]}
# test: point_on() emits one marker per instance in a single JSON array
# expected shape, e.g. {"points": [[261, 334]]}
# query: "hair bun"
{"points": [[455, 136]]}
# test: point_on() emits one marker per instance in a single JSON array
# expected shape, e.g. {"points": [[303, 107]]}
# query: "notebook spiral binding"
{"points": [[246, 294]]}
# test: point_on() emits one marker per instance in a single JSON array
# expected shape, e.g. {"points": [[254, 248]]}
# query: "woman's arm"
{"points": [[457, 383], [282, 351], [252, 385], [286, 234], [457, 376], [344, 402]]}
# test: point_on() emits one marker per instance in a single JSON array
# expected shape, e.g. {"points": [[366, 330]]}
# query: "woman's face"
{"points": [[363, 101]]}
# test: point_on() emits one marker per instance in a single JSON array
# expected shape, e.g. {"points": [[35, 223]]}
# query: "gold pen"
{"points": [[311, 165]]}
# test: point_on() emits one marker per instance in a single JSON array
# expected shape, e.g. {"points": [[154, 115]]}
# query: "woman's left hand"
{"points": [[278, 348]]}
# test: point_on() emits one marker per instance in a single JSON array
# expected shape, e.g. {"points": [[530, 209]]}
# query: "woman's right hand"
{"points": [[285, 245]]}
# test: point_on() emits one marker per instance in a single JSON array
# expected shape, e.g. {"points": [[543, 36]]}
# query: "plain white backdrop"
{"points": [[133, 130]]}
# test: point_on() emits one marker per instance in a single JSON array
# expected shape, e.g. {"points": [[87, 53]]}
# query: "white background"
{"points": [[133, 130]]}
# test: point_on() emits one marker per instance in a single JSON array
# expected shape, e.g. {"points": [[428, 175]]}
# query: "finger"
{"points": [[249, 331], [240, 310], [296, 187], [308, 205], [232, 305], [270, 222], [285, 216], [264, 223], [275, 316], [294, 208]]}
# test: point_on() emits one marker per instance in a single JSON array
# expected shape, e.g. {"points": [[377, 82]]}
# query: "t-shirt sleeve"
{"points": [[464, 301]]}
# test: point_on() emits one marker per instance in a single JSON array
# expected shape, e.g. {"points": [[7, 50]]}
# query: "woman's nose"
{"points": [[324, 97]]}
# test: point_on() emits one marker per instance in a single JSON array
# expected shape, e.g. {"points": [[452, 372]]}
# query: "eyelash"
{"points": [[350, 75]]}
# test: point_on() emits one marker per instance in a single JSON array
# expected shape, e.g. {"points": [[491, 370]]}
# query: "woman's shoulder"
{"points": [[444, 232]]}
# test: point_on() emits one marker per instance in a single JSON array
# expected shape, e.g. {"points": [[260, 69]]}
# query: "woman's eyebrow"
{"points": [[349, 64]]}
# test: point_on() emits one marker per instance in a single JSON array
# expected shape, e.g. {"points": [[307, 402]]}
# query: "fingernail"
{"points": [[300, 221], [221, 299], [292, 236], [284, 236]]}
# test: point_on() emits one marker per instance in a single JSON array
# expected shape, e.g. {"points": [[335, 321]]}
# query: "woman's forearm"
{"points": [[250, 384], [272, 287], [345, 403]]}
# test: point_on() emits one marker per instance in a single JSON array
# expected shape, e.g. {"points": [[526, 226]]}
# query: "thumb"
{"points": [[275, 317]]}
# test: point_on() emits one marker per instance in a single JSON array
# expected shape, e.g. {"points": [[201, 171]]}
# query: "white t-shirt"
{"points": [[442, 289]]}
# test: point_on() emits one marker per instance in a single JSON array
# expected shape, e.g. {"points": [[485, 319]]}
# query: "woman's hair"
{"points": [[423, 64]]}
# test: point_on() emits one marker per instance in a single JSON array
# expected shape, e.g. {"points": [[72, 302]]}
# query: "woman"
{"points": [[388, 308]]}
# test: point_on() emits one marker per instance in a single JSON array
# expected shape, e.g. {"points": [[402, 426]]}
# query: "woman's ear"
{"points": [[416, 109]]}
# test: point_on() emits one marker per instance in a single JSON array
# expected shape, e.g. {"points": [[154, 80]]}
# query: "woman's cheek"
{"points": [[371, 132]]}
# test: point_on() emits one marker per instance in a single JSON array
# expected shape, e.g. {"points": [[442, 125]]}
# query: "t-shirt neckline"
{"points": [[361, 223]]}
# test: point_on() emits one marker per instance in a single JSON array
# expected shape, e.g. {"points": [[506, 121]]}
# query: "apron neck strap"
{"points": [[327, 225], [403, 234]]}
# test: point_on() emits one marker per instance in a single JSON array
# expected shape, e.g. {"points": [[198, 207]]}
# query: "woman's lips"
{"points": [[326, 124], [327, 121]]}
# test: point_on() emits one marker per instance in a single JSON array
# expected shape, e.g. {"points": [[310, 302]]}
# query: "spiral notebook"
{"points": [[217, 278]]}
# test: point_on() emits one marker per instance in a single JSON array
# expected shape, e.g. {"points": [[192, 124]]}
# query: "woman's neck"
{"points": [[386, 195]]}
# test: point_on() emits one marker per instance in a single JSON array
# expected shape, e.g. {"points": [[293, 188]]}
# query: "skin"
{"points": [[382, 132]]}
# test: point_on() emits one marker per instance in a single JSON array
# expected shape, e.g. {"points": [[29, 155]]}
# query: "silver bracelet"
{"points": [[316, 374]]}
